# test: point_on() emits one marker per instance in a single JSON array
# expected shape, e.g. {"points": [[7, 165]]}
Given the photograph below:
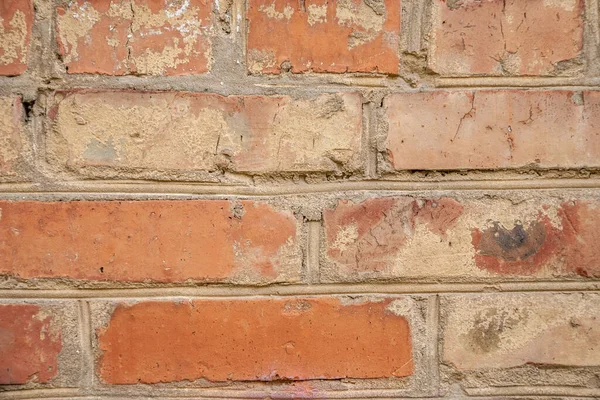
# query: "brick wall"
{"points": [[299, 199]]}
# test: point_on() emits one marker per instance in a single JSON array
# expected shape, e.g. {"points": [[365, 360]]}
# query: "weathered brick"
{"points": [[256, 340], [16, 19], [509, 330], [29, 344], [11, 129], [152, 37], [490, 129], [498, 37], [160, 241], [466, 239], [204, 132], [323, 36]]}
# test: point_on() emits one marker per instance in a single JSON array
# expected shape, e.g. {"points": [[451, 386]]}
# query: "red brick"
{"points": [[151, 37], [161, 241], [29, 345], [16, 19], [255, 340], [511, 330], [488, 129], [132, 131], [497, 37], [468, 239], [11, 129], [323, 36]]}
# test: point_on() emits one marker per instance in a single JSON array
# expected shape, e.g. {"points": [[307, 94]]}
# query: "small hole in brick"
{"points": [[101, 270], [28, 108]]}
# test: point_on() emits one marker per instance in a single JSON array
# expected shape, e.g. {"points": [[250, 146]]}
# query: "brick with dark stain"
{"points": [[525, 249]]}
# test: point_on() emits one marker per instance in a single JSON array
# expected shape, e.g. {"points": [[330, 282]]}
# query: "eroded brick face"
{"points": [[159, 241], [198, 132], [29, 345], [16, 19], [498, 37], [225, 199], [487, 129], [255, 340], [147, 37], [11, 129], [510, 330], [323, 36], [386, 238]]}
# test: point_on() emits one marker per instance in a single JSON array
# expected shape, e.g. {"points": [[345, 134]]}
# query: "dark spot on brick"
{"points": [[524, 249], [512, 245]]}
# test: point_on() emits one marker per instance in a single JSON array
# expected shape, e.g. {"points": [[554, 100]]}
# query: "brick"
{"points": [[490, 129], [156, 241], [464, 239], [11, 129], [16, 19], [497, 37], [255, 340], [204, 132], [510, 330], [29, 344], [147, 37], [323, 36]]}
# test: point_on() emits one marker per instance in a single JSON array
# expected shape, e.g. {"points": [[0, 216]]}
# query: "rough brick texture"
{"points": [[491, 331], [145, 37], [11, 131], [493, 129], [29, 344], [255, 340], [16, 19], [514, 37], [156, 241], [461, 239], [294, 199], [321, 36], [198, 132]]}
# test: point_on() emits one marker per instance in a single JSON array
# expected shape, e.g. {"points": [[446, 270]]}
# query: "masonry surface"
{"points": [[277, 199]]}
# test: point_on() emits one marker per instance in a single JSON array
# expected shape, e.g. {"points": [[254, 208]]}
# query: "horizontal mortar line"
{"points": [[210, 393], [307, 84], [200, 396], [76, 80], [301, 290], [41, 393], [196, 397], [207, 393], [145, 187], [516, 82], [534, 390]]}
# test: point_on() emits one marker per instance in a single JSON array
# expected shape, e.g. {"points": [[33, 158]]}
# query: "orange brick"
{"points": [[160, 241], [29, 345], [187, 132], [488, 129], [11, 129], [461, 239], [255, 340], [497, 37], [16, 19], [323, 36], [149, 37]]}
